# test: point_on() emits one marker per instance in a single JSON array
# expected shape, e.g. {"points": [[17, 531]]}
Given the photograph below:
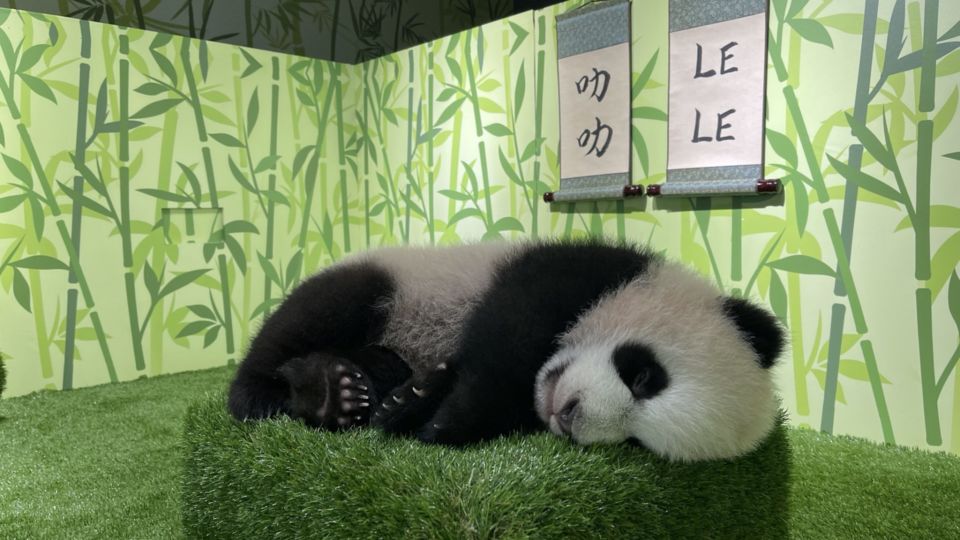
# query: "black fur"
{"points": [[639, 370], [760, 328], [534, 297], [335, 392], [337, 311]]}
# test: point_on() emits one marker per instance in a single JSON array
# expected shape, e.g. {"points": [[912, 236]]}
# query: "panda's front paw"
{"points": [[413, 403]]}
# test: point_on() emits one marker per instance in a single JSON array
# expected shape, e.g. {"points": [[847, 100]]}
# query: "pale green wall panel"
{"points": [[402, 174]]}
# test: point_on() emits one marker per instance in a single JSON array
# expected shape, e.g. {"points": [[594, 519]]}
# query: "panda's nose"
{"points": [[567, 414]]}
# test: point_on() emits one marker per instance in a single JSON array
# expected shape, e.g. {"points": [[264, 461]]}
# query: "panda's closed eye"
{"points": [[638, 368]]}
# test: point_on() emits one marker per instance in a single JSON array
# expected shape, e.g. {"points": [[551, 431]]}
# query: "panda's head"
{"points": [[670, 363]]}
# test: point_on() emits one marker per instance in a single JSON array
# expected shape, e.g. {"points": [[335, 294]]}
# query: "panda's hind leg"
{"points": [[339, 391], [404, 411]]}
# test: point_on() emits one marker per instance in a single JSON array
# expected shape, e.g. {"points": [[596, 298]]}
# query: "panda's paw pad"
{"points": [[352, 400]]}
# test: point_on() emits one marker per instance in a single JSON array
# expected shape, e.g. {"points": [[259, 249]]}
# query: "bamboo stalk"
{"points": [[311, 179], [475, 98], [430, 178], [167, 144], [76, 212], [272, 177], [367, 148], [27, 143], [538, 117], [248, 22], [921, 226], [211, 188], [125, 232], [855, 157], [342, 158]]}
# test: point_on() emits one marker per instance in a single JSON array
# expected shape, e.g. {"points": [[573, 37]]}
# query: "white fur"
{"points": [[436, 289], [719, 402]]}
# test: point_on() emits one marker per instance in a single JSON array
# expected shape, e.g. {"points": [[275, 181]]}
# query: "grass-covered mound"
{"points": [[279, 479]]}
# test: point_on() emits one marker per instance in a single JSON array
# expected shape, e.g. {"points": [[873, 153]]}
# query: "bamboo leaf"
{"points": [[872, 144], [85, 201], [266, 163], [165, 66], [941, 215], [391, 116], [644, 77], [38, 86], [489, 85], [953, 155], [649, 113], [778, 297], [193, 181], [151, 89], [446, 93], [865, 181], [521, 34], [946, 114], [204, 59], [640, 147], [796, 6], [507, 168], [236, 252], [267, 304], [227, 140], [30, 57], [19, 170], [782, 146], [166, 195], [913, 60], [428, 136], [252, 64], [472, 176], [215, 96], [519, 90], [455, 195], [213, 332], [498, 130], [811, 30], [944, 263], [157, 108], [857, 370], [306, 98], [150, 280], [465, 213], [293, 269], [532, 149], [508, 224], [181, 281], [202, 311], [241, 179], [10, 203], [194, 328], [301, 158], [489, 105], [953, 298], [269, 270], [40, 262], [38, 217], [240, 227], [449, 111], [455, 69], [212, 114], [895, 39], [21, 290], [276, 197], [850, 23], [802, 264], [253, 112]]}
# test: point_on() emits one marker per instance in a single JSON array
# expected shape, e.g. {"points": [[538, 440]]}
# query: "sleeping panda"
{"points": [[596, 341]]}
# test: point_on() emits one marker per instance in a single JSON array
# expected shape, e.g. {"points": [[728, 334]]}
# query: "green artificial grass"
{"points": [[283, 480], [107, 462], [3, 375], [99, 462]]}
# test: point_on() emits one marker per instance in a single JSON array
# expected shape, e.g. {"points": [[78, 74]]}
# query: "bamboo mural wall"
{"points": [[456, 140]]}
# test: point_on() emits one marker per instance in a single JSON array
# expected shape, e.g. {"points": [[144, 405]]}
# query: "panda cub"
{"points": [[597, 341]]}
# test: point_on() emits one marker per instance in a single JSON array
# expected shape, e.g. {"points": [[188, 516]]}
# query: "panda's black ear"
{"points": [[759, 327]]}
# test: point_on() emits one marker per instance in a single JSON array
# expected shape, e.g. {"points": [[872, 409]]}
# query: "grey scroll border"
{"points": [[597, 25]]}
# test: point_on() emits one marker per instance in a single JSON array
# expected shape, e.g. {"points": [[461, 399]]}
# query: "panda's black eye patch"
{"points": [[639, 369]]}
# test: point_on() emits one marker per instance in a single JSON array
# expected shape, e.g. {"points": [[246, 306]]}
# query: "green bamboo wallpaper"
{"points": [[456, 140]]}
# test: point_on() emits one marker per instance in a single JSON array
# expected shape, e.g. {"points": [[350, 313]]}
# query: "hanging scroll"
{"points": [[716, 109], [593, 48]]}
